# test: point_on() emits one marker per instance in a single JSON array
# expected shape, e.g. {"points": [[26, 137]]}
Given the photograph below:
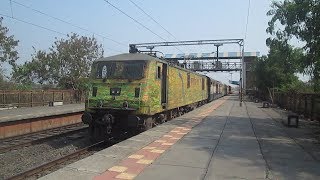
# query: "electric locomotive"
{"points": [[135, 91]]}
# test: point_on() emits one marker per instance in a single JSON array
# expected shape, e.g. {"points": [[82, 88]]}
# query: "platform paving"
{"points": [[220, 140], [222, 146], [17, 114]]}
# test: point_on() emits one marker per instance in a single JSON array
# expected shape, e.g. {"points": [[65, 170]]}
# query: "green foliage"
{"points": [[9, 85], [297, 87], [299, 19], [67, 63], [277, 70], [8, 53]]}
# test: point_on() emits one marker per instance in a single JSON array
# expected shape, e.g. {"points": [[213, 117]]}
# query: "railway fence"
{"points": [[306, 104], [33, 98]]}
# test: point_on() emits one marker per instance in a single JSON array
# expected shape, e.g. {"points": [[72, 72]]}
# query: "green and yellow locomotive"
{"points": [[136, 91]]}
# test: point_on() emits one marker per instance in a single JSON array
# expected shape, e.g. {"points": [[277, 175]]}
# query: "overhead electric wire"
{"points": [[36, 25], [144, 12], [42, 27], [248, 14], [136, 5], [136, 21], [69, 23], [11, 8]]}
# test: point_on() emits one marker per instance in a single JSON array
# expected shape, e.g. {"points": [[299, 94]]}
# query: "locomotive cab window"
{"points": [[132, 70], [158, 72]]}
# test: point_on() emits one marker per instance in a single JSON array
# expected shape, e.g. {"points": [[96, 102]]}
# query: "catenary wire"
{"points": [[11, 8], [69, 23], [144, 12], [136, 21], [155, 21], [42, 27], [247, 22]]}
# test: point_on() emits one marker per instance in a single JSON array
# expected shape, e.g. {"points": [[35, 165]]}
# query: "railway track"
{"points": [[55, 164], [13, 143], [36, 171]]}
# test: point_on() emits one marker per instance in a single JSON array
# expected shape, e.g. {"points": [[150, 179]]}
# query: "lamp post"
{"points": [[241, 73], [217, 45]]}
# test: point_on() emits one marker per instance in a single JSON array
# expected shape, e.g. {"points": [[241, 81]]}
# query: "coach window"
{"points": [[188, 80], [158, 72]]}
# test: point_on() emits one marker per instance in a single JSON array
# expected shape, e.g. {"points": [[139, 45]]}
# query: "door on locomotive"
{"points": [[164, 88]]}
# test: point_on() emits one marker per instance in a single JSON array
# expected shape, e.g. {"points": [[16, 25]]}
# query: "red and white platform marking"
{"points": [[134, 164]]}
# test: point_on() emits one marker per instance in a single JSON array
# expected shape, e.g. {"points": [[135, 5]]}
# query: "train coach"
{"points": [[135, 91]]}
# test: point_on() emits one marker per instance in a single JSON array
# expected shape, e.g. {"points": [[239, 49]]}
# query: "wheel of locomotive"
{"points": [[168, 115], [148, 123], [177, 112], [181, 111]]}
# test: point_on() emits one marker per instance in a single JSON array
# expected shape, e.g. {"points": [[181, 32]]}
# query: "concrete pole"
{"points": [[217, 45], [241, 73]]}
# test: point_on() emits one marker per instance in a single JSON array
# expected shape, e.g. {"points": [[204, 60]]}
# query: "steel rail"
{"points": [[36, 140], [56, 162]]}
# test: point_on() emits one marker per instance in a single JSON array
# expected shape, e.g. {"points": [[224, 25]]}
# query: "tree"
{"points": [[66, 64], [277, 70], [8, 53], [299, 19]]}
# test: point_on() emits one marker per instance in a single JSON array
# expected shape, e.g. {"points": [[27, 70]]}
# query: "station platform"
{"points": [[17, 114], [219, 140]]}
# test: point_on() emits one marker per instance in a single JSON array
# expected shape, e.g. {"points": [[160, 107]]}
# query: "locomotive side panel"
{"points": [[185, 88], [152, 94]]}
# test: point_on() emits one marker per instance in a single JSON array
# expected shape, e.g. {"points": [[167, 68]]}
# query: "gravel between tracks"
{"points": [[17, 161]]}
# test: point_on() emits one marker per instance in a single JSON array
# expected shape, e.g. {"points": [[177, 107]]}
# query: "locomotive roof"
{"points": [[129, 57], [139, 56]]}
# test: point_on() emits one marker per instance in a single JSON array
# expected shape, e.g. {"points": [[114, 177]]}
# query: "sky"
{"points": [[185, 19]]}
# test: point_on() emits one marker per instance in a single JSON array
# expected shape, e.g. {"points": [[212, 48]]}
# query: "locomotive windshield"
{"points": [[119, 69]]}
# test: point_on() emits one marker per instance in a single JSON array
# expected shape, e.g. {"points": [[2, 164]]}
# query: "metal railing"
{"points": [[301, 103], [39, 97], [212, 66]]}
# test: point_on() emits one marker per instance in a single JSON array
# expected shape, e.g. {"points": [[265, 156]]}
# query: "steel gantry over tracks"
{"points": [[228, 61], [135, 47], [194, 61]]}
